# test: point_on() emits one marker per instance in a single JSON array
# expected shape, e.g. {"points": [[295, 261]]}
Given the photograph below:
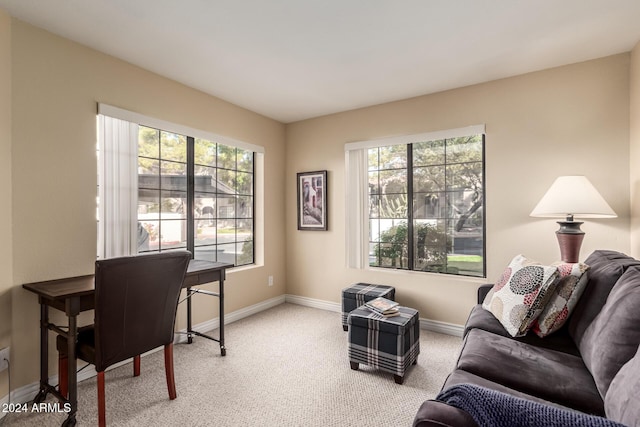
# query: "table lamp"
{"points": [[571, 196]]}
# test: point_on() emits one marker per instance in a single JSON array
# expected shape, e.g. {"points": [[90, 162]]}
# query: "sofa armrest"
{"points": [[434, 413], [483, 290]]}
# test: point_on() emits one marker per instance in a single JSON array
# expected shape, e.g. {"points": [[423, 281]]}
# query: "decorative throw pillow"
{"points": [[520, 294], [572, 281]]}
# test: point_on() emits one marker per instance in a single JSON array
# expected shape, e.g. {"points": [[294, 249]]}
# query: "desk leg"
{"points": [[223, 350], [44, 354], [189, 335], [73, 308]]}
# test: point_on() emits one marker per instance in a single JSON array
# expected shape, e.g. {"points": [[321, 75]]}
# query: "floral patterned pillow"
{"points": [[573, 279], [519, 296]]}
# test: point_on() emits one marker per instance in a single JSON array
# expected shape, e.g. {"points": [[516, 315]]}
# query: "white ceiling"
{"points": [[295, 59]]}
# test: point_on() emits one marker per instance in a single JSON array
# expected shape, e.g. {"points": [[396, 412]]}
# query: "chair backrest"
{"points": [[136, 300]]}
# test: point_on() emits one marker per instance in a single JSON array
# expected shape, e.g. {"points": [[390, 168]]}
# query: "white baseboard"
{"points": [[214, 323], [426, 324], [442, 327], [314, 303]]}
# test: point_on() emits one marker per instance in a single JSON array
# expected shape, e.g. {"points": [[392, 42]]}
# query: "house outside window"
{"points": [[219, 226]]}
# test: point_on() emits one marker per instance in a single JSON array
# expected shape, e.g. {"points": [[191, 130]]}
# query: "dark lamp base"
{"points": [[570, 240]]}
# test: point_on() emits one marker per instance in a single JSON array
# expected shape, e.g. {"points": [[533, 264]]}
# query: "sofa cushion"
{"points": [[479, 318], [571, 283], [528, 369], [606, 267], [612, 338], [622, 401], [520, 294]]}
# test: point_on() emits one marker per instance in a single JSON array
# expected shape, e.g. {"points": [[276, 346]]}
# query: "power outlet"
{"points": [[4, 354], [270, 281]]}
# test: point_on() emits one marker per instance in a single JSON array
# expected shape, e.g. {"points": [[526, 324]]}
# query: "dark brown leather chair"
{"points": [[136, 300]]}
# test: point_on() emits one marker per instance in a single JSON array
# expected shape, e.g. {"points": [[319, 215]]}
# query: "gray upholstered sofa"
{"points": [[590, 366]]}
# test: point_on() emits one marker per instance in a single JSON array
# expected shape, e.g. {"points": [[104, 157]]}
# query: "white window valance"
{"points": [[141, 119], [419, 137]]}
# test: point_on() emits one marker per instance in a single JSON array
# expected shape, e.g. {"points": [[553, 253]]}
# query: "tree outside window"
{"points": [[426, 203]]}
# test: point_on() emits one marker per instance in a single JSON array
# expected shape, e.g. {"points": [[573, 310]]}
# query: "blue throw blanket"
{"points": [[490, 408]]}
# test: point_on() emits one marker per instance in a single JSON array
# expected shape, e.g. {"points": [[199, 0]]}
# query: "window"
{"points": [[191, 190], [423, 204], [217, 206]]}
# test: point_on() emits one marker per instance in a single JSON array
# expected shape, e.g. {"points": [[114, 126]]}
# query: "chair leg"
{"points": [[168, 367], [63, 375], [102, 418], [136, 366]]}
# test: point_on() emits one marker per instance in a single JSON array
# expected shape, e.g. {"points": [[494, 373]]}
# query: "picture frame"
{"points": [[312, 200]]}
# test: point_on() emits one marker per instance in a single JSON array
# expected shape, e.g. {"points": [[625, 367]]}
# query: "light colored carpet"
{"points": [[286, 366]]}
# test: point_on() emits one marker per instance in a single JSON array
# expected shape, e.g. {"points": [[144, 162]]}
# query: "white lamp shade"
{"points": [[573, 195]]}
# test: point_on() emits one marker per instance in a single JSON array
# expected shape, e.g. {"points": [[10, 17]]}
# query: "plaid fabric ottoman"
{"points": [[389, 344], [356, 295]]}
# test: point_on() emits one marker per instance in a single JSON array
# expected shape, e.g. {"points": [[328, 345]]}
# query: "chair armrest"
{"points": [[483, 290], [434, 413]]}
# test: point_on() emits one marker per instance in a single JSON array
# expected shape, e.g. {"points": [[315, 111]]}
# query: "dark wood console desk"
{"points": [[76, 294]]}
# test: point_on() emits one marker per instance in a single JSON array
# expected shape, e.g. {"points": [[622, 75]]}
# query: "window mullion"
{"points": [[410, 238], [484, 200], [448, 213], [190, 195], [253, 206]]}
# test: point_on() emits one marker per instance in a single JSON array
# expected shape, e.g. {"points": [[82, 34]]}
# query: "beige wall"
{"points": [[634, 153], [562, 121], [6, 252], [56, 85]]}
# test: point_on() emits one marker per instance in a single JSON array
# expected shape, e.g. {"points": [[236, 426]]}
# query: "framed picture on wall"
{"points": [[312, 200]]}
